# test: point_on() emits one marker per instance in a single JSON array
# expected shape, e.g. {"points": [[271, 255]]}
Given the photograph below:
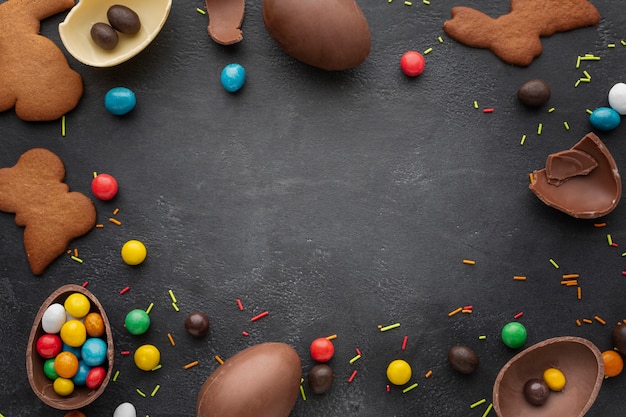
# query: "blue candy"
{"points": [[94, 351], [81, 375], [605, 118], [119, 100], [74, 350], [233, 77]]}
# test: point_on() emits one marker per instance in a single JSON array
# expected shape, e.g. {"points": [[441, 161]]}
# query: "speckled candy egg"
{"points": [[617, 98], [271, 372], [604, 118]]}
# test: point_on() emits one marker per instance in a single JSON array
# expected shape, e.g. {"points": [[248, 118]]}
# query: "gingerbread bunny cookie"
{"points": [[516, 37], [35, 76]]}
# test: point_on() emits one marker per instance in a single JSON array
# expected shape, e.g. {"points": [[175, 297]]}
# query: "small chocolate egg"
{"points": [[619, 338], [262, 380], [534, 93], [104, 36], [536, 391], [463, 359], [197, 324], [123, 19], [320, 378], [329, 34]]}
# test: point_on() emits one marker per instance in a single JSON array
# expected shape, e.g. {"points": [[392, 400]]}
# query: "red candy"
{"points": [[104, 186], [49, 345], [95, 377], [322, 349], [412, 63]]}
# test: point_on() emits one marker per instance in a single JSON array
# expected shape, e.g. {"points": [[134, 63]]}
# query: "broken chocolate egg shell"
{"points": [[583, 181], [225, 18], [330, 34], [262, 380], [579, 360], [75, 30], [39, 382]]}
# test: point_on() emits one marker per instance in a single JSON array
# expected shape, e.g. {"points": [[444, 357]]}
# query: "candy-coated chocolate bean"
{"points": [[48, 345], [63, 386], [137, 322], [73, 333], [233, 77], [147, 357], [197, 324], [48, 369], [134, 252], [514, 335], [104, 36], [536, 391], [94, 351], [320, 378], [66, 364], [104, 186], [605, 118], [120, 100], [463, 359], [77, 305], [80, 378], [95, 377], [554, 378], [534, 93], [412, 63], [322, 349], [399, 372], [123, 19]]}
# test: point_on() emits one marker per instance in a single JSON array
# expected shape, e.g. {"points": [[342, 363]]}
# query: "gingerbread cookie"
{"points": [[52, 216], [35, 76], [515, 37]]}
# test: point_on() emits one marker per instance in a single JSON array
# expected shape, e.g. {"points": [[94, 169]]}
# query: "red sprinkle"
{"points": [[352, 376], [623, 272], [614, 244], [85, 284], [468, 307], [488, 110], [239, 304], [406, 339], [358, 352], [245, 333], [125, 352], [124, 290], [388, 388], [518, 315], [260, 316]]}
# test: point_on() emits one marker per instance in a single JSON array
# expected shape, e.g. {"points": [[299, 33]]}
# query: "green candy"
{"points": [[137, 322], [514, 335], [48, 369]]}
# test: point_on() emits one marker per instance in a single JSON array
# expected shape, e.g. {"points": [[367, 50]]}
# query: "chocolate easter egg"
{"points": [[329, 34], [262, 380]]}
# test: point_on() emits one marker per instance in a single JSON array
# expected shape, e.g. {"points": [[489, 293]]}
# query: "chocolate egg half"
{"points": [[329, 34], [262, 380]]}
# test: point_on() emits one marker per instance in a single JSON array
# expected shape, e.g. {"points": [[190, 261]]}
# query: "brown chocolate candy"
{"points": [[123, 19], [104, 36], [619, 338], [534, 93], [583, 181], [536, 391], [197, 324], [320, 378], [463, 359]]}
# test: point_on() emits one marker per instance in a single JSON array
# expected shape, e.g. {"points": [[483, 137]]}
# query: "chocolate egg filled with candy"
{"points": [[262, 380]]}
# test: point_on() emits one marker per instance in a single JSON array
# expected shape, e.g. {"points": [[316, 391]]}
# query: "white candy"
{"points": [[53, 318], [125, 410], [617, 98]]}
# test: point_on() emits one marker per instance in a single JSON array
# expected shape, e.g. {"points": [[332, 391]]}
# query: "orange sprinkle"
{"points": [[117, 210], [76, 252], [519, 278], [169, 336], [115, 221], [580, 293], [469, 262], [599, 319], [331, 337], [99, 226], [191, 364], [428, 374], [219, 360], [571, 276], [569, 283], [452, 313], [587, 321], [578, 323], [466, 311], [69, 251], [599, 224]]}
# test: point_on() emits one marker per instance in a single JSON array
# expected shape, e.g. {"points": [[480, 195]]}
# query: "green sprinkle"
{"points": [[140, 392], [175, 307], [523, 140], [588, 111], [554, 264], [117, 373], [440, 39], [585, 80], [539, 128], [149, 309], [156, 367], [551, 109], [589, 57], [154, 391], [356, 358], [611, 45], [429, 50], [302, 393], [566, 125], [578, 62], [63, 126], [77, 259], [475, 104], [477, 403], [482, 337], [623, 42], [577, 83], [391, 326], [408, 3], [409, 388], [586, 74], [172, 296], [389, 1], [624, 254], [426, 2], [199, 10], [609, 239], [488, 410]]}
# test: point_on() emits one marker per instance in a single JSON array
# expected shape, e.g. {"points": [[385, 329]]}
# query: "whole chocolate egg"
{"points": [[329, 34], [262, 380]]}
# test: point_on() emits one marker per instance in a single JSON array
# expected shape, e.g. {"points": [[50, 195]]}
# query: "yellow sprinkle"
{"points": [[95, 174], [539, 128], [588, 111], [356, 358], [532, 178], [609, 239], [194, 363], [172, 296], [469, 262], [477, 403], [199, 10], [140, 392], [115, 221], [579, 293], [389, 1], [566, 125], [475, 104], [440, 39], [488, 410], [578, 62], [611, 45], [577, 83], [63, 126], [331, 337], [149, 309], [482, 337], [554, 264], [219, 360], [519, 278], [428, 374], [408, 3], [623, 42], [585, 80], [551, 109], [302, 393], [391, 326], [589, 57], [599, 319], [521, 142], [154, 391], [409, 388], [169, 336], [426, 2], [117, 373], [156, 368], [175, 307], [453, 312], [586, 74], [77, 259], [429, 50]]}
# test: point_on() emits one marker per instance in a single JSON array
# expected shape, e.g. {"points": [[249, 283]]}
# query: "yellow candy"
{"points": [[63, 386], [399, 372], [554, 379], [77, 305], [147, 357], [73, 333], [133, 252]]}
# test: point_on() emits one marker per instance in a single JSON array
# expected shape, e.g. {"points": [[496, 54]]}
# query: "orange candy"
{"points": [[613, 363], [66, 364], [94, 325]]}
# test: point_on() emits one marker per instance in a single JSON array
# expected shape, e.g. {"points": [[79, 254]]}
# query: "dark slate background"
{"points": [[336, 201]]}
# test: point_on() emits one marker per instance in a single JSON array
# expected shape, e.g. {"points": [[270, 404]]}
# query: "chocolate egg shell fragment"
{"points": [[463, 359], [123, 19], [534, 93], [582, 181], [104, 36], [260, 381], [579, 360], [329, 34], [320, 378]]}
